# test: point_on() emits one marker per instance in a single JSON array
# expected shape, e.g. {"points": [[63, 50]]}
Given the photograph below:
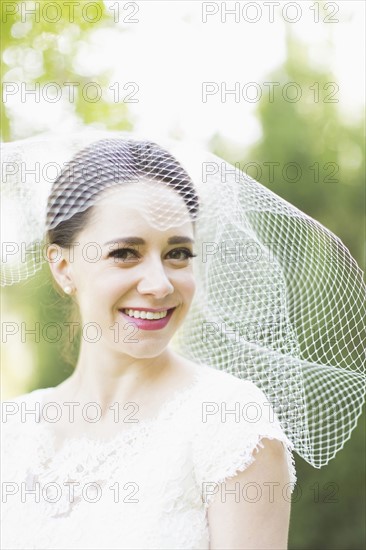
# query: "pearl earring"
{"points": [[68, 289]]}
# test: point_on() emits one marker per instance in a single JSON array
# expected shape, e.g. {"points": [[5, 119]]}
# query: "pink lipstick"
{"points": [[149, 324]]}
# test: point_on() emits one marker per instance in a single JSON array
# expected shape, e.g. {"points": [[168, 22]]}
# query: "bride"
{"points": [[159, 451]]}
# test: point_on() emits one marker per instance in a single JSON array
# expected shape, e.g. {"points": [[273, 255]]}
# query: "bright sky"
{"points": [[170, 52]]}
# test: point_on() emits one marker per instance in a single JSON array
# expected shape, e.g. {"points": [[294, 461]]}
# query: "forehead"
{"points": [[140, 206]]}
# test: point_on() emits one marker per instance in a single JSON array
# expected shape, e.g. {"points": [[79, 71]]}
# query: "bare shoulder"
{"points": [[268, 470]]}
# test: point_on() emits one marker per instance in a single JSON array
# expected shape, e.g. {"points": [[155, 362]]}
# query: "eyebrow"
{"points": [[177, 239]]}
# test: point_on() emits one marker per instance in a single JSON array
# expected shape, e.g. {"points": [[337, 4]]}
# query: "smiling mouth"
{"points": [[146, 314]]}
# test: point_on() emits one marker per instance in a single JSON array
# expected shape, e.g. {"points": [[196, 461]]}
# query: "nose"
{"points": [[155, 280]]}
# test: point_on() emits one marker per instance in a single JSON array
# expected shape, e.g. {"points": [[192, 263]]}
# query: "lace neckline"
{"points": [[143, 427]]}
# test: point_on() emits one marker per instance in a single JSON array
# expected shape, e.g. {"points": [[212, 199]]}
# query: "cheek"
{"points": [[114, 287], [104, 288], [187, 286]]}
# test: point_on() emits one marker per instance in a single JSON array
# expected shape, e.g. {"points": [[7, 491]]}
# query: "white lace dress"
{"points": [[149, 487]]}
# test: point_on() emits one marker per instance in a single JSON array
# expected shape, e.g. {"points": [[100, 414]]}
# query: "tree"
{"points": [[309, 156]]}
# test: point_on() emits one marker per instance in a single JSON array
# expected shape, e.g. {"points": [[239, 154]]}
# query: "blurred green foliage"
{"points": [[43, 52], [308, 154], [329, 513]]}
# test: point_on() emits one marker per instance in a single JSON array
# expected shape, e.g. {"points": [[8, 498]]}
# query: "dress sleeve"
{"points": [[232, 424]]}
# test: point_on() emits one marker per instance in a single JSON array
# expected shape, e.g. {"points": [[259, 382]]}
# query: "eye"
{"points": [[181, 254], [124, 254]]}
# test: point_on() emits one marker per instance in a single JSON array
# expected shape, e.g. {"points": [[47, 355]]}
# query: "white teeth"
{"points": [[145, 314]]}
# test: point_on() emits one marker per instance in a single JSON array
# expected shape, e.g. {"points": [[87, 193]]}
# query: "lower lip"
{"points": [[149, 324]]}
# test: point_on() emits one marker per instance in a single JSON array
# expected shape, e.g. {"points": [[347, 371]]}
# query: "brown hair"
{"points": [[102, 164]]}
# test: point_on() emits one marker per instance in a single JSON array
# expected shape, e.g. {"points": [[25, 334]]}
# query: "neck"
{"points": [[104, 376]]}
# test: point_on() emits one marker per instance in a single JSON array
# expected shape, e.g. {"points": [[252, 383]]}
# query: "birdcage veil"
{"points": [[279, 300]]}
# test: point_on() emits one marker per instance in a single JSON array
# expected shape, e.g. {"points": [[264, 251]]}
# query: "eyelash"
{"points": [[116, 253]]}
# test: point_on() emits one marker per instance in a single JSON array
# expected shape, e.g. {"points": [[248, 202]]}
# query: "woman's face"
{"points": [[112, 275]]}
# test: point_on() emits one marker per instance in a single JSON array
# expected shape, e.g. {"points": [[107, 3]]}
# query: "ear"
{"points": [[60, 265]]}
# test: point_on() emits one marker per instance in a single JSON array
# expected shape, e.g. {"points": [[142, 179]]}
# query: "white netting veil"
{"points": [[279, 300]]}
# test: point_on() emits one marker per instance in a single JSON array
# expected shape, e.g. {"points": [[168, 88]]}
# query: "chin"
{"points": [[145, 351]]}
